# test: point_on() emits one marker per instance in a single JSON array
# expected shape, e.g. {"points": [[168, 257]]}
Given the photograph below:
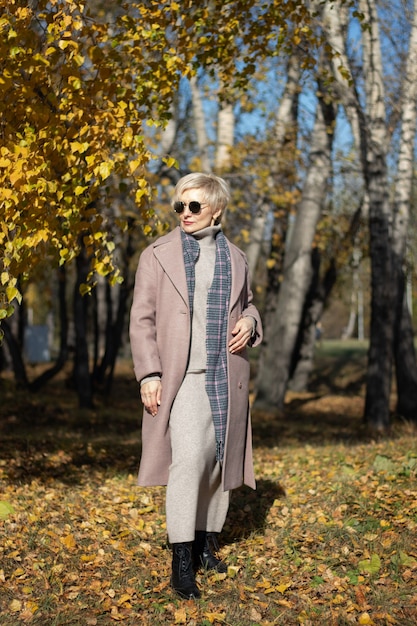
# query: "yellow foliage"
{"points": [[70, 118], [76, 94]]}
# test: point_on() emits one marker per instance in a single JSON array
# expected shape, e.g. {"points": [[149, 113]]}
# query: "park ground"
{"points": [[328, 538]]}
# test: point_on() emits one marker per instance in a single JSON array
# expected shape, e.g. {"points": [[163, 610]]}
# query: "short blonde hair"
{"points": [[216, 190]]}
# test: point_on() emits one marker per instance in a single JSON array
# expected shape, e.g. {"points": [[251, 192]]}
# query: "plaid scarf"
{"points": [[217, 319], [191, 251]]}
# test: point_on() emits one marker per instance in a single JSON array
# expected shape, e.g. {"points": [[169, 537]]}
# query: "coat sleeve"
{"points": [[142, 327], [251, 310]]}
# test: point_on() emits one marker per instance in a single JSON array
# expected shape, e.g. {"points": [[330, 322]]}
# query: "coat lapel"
{"points": [[238, 275], [168, 251]]}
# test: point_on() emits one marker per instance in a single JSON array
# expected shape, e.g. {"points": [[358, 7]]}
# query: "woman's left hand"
{"points": [[242, 333]]}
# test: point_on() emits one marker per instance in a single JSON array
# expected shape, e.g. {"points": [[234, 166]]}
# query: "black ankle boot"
{"points": [[204, 545], [183, 578]]}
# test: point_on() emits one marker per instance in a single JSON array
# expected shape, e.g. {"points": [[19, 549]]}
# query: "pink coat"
{"points": [[160, 339]]}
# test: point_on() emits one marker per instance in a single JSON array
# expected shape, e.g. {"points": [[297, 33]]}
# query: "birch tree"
{"points": [[390, 330], [282, 329], [405, 357], [199, 119], [285, 130]]}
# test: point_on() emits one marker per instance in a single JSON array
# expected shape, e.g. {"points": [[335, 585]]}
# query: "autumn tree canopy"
{"points": [[77, 92]]}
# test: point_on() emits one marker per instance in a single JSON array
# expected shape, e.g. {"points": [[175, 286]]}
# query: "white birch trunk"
{"points": [[225, 137], [335, 23], [405, 168], [284, 121], [200, 126], [169, 134], [405, 356], [282, 331]]}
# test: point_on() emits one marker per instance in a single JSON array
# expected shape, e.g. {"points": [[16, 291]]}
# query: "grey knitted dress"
{"points": [[195, 499]]}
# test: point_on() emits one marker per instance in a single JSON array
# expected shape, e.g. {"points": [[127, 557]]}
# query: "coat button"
{"points": [[240, 385]]}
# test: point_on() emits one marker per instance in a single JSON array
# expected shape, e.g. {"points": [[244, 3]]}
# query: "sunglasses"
{"points": [[194, 206]]}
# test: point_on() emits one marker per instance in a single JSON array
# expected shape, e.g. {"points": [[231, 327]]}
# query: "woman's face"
{"points": [[192, 222]]}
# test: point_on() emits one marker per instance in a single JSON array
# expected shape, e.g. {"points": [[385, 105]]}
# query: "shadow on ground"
{"points": [[45, 436]]}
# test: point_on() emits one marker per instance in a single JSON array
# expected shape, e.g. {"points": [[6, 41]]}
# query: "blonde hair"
{"points": [[216, 190]]}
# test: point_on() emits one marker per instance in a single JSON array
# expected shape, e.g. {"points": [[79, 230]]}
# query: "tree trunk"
{"points": [[115, 327], [200, 126], [319, 292], [281, 332], [404, 351], [405, 365], [316, 300], [383, 287], [82, 378], [387, 248], [257, 233], [285, 131], [15, 351], [225, 137], [48, 374]]}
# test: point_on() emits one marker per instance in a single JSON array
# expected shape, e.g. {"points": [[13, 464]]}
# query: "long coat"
{"points": [[160, 328]]}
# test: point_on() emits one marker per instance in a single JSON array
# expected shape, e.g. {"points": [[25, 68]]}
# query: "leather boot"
{"points": [[183, 578], [204, 545]]}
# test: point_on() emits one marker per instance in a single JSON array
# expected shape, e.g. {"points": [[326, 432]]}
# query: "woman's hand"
{"points": [[150, 393], [242, 333]]}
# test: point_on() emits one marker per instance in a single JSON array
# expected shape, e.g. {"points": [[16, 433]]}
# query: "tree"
{"points": [[75, 96], [282, 329], [404, 351], [390, 333]]}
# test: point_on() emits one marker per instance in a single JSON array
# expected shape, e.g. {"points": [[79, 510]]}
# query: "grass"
{"points": [[328, 538]]}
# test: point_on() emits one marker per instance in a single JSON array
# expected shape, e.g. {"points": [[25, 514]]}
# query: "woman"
{"points": [[192, 317]]}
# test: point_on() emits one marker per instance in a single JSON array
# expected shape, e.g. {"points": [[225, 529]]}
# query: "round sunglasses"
{"points": [[194, 206]]}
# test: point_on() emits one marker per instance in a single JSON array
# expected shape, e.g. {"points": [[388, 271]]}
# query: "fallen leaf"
{"points": [[6, 509], [371, 566]]}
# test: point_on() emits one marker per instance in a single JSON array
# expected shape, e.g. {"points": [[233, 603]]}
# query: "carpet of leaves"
{"points": [[328, 538]]}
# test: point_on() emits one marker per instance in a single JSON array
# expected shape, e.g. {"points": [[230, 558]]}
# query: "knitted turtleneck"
{"points": [[204, 272]]}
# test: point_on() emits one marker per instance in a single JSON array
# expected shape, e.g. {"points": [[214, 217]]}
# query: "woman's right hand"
{"points": [[150, 393]]}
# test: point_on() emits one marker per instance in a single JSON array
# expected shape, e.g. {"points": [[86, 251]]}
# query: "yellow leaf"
{"points": [[180, 616], [365, 620], [133, 165], [105, 169], [77, 146], [215, 617], [15, 606], [75, 82], [126, 597], [171, 162], [31, 608], [232, 570], [19, 572], [69, 541], [13, 293], [79, 59]]}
